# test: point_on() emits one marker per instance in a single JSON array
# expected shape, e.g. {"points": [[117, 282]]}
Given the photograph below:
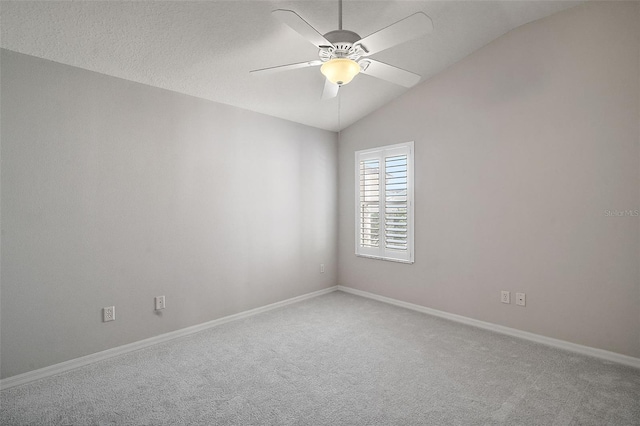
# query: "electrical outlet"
{"points": [[505, 297], [322, 268], [521, 299], [109, 313], [160, 304]]}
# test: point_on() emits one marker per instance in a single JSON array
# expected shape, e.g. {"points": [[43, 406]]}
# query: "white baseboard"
{"points": [[549, 341], [51, 370]]}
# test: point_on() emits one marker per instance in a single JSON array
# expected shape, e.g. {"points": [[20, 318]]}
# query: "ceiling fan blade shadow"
{"points": [[287, 67], [388, 72], [301, 26], [402, 31], [330, 90]]}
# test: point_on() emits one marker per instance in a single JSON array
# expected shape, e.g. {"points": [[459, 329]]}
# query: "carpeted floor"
{"points": [[337, 359]]}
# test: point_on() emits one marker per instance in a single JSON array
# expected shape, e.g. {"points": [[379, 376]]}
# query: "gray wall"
{"points": [[114, 192], [520, 150]]}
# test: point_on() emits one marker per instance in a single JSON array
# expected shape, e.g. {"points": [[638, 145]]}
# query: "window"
{"points": [[384, 203]]}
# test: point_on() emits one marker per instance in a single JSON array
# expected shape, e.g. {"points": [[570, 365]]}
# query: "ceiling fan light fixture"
{"points": [[340, 71]]}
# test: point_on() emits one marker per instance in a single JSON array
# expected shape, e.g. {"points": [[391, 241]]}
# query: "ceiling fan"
{"points": [[343, 53]]}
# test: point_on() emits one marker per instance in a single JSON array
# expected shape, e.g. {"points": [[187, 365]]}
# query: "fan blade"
{"points": [[402, 31], [288, 67], [301, 26], [330, 90], [388, 72]]}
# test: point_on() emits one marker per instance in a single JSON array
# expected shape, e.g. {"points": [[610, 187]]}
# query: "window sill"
{"points": [[388, 259]]}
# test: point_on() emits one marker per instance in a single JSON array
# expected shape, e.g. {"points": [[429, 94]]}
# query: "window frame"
{"points": [[381, 153]]}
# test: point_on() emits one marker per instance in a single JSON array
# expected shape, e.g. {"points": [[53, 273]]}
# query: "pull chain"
{"points": [[339, 106]]}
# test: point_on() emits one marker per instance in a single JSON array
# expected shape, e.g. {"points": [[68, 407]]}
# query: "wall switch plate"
{"points": [[109, 313], [521, 299], [160, 303], [505, 297], [322, 268]]}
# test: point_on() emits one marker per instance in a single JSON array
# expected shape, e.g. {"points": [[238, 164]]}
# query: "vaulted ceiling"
{"points": [[207, 48]]}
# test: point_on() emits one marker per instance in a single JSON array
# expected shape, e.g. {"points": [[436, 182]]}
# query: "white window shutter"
{"points": [[384, 193], [396, 203], [369, 216]]}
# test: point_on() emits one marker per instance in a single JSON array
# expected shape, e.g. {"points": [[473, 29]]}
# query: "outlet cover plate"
{"points": [[505, 297], [108, 313], [160, 303]]}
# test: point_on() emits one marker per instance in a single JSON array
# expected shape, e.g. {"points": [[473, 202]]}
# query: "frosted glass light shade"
{"points": [[340, 70]]}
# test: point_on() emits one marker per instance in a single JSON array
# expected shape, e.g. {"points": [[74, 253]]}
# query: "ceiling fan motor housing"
{"points": [[344, 45]]}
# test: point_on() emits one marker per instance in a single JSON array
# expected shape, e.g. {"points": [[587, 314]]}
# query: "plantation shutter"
{"points": [[384, 192], [395, 229], [370, 203]]}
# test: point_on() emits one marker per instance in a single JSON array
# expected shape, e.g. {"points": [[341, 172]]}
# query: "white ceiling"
{"points": [[207, 48]]}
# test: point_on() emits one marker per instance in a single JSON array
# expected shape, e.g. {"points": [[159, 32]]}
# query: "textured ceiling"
{"points": [[207, 48]]}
